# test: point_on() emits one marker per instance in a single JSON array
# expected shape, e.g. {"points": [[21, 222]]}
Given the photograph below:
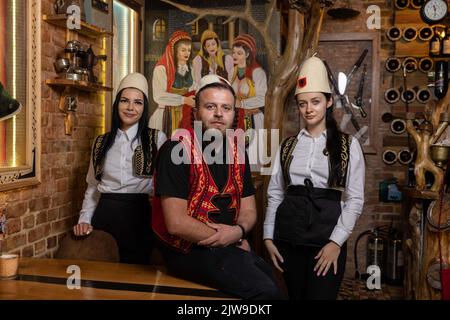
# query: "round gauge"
{"points": [[434, 11]]}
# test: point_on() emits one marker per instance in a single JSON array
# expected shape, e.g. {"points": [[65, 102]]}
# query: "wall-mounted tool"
{"points": [[359, 98], [341, 96], [356, 65]]}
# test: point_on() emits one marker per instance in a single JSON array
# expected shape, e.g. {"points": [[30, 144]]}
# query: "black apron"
{"points": [[127, 217], [307, 215]]}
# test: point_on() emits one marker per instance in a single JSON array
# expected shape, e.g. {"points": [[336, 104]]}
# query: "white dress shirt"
{"points": [[118, 176], [310, 162]]}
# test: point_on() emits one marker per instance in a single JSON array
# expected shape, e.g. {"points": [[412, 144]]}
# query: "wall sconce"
{"points": [[68, 105]]}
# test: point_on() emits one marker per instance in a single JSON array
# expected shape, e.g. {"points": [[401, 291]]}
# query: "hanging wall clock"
{"points": [[434, 11]]}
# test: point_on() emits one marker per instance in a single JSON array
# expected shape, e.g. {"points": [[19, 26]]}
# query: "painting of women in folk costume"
{"points": [[174, 85], [249, 81], [211, 59]]}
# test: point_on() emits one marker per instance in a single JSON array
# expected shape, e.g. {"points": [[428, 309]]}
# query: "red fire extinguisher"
{"points": [[384, 250], [375, 252]]}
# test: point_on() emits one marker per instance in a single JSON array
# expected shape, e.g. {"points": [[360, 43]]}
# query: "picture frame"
{"points": [[28, 172], [331, 49]]}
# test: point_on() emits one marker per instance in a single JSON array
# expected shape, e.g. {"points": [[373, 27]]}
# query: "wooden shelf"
{"points": [[87, 29], [440, 58], [80, 85], [425, 194]]}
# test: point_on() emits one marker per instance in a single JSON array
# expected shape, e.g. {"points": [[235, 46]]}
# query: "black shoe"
{"points": [[9, 107]]}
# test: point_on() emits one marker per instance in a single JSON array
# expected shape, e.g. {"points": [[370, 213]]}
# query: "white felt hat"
{"points": [[313, 77], [134, 80], [212, 78]]}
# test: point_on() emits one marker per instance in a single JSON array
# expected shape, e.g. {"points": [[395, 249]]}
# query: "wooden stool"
{"points": [[97, 246]]}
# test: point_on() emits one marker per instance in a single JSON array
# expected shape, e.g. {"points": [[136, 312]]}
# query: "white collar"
{"points": [[182, 69], [130, 133], [306, 133]]}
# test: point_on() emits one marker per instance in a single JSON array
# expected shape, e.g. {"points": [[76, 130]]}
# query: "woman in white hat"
{"points": [[315, 195], [120, 174]]}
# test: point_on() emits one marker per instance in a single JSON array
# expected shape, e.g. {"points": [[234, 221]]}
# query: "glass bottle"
{"points": [[446, 44], [440, 79], [435, 45]]}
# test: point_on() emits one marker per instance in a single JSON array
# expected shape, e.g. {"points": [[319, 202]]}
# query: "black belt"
{"points": [[128, 197], [299, 190]]}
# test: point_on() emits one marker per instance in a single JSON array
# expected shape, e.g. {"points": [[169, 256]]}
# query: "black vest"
{"points": [[334, 181], [220, 71], [143, 163]]}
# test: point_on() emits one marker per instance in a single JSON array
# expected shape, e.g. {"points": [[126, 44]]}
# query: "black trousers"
{"points": [[301, 280], [230, 269], [127, 217]]}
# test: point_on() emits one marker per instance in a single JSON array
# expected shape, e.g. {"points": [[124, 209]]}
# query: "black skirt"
{"points": [[127, 217]]}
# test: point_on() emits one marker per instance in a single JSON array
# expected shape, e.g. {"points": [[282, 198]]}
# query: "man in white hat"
{"points": [[202, 212], [120, 174], [306, 225]]}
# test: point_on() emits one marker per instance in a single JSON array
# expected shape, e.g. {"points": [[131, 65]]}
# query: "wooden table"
{"points": [[48, 278]]}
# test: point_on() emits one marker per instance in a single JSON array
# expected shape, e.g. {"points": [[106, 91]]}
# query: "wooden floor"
{"points": [[47, 279]]}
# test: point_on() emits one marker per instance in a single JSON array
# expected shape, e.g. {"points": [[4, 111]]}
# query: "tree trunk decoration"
{"points": [[436, 122], [428, 228]]}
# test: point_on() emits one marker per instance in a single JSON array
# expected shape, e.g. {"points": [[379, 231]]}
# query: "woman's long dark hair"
{"points": [[333, 140], [249, 60], [115, 125]]}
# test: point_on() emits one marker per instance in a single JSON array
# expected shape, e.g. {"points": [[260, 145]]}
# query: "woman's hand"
{"points": [[327, 256], [275, 255], [82, 229], [190, 101]]}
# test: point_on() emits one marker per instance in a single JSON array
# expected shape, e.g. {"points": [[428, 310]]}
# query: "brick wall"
{"points": [[39, 216], [374, 213]]}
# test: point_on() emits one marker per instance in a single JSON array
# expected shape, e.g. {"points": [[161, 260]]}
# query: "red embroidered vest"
{"points": [[202, 194]]}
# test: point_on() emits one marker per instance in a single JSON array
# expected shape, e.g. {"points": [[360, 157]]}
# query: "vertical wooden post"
{"points": [[231, 31]]}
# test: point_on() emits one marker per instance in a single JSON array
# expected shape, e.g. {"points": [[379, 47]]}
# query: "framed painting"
{"points": [[362, 85], [20, 87]]}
